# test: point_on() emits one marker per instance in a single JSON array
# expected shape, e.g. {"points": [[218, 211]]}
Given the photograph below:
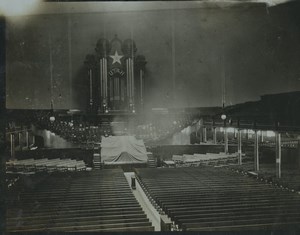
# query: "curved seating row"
{"points": [[208, 158], [77, 201], [290, 177], [45, 164], [217, 199]]}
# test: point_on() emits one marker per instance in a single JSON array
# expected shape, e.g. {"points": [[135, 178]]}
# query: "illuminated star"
{"points": [[116, 58]]}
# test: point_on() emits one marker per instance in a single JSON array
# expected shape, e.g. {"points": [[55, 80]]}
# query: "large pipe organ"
{"points": [[115, 77]]}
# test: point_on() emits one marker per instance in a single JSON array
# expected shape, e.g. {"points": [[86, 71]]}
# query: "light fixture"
{"points": [[52, 119], [223, 117]]}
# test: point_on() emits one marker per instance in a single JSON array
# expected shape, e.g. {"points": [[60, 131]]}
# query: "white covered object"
{"points": [[123, 150]]}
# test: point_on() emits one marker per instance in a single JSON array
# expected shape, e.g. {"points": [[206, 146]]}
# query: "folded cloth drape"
{"points": [[122, 150]]}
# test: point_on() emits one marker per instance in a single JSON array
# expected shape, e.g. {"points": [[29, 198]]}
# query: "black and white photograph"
{"points": [[150, 116]]}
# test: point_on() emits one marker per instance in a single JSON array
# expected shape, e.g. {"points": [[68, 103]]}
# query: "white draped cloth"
{"points": [[123, 150]]}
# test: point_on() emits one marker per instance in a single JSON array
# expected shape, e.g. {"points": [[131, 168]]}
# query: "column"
{"points": [[33, 139], [20, 140], [278, 154], [215, 135], [141, 89], [261, 136], [204, 134], [91, 88], [256, 153], [239, 139], [12, 146], [200, 130], [247, 135], [225, 140], [27, 139]]}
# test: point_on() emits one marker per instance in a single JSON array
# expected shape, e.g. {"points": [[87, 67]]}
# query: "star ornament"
{"points": [[116, 58]]}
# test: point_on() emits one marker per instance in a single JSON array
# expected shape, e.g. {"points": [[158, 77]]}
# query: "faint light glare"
{"points": [[18, 7], [270, 133], [230, 130], [251, 132], [47, 134], [186, 131], [273, 2]]}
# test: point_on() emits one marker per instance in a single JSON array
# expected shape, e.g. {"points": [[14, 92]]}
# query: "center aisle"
{"points": [[152, 214]]}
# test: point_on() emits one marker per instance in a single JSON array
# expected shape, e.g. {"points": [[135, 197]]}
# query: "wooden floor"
{"points": [[79, 201], [218, 199]]}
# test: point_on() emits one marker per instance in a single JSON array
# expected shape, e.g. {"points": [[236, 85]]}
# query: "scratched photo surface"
{"points": [[150, 116]]}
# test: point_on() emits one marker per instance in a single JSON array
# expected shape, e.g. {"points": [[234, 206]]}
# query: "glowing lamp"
{"points": [[52, 119], [223, 116]]}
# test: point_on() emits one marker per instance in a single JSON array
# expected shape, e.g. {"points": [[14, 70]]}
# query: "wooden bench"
{"points": [[78, 201], [207, 198]]}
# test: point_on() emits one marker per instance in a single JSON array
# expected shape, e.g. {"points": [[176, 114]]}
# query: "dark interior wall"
{"points": [[190, 53]]}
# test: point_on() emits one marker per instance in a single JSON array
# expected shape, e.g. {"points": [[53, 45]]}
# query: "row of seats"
{"points": [[44, 164], [285, 144], [217, 199], [199, 159], [290, 174], [99, 201]]}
